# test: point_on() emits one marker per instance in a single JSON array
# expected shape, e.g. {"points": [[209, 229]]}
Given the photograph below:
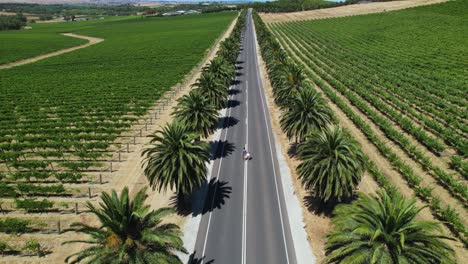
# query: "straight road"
{"points": [[245, 218]]}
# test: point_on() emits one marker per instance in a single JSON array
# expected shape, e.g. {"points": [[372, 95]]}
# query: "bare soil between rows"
{"points": [[317, 225], [129, 173], [347, 10]]}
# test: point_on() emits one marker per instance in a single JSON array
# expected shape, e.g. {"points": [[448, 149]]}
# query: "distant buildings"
{"points": [[181, 12]]}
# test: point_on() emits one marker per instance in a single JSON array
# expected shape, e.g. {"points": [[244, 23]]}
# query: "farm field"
{"points": [[399, 79], [65, 128], [43, 38]]}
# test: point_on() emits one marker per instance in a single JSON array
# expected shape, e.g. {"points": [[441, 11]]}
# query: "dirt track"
{"points": [[129, 173], [91, 40], [348, 10]]}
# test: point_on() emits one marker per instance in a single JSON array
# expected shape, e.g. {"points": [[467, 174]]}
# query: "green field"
{"points": [[77, 103], [405, 71], [43, 38], [21, 44]]}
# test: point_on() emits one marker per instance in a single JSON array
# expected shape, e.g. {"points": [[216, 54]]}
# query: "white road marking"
{"points": [[244, 206], [217, 177], [271, 149]]}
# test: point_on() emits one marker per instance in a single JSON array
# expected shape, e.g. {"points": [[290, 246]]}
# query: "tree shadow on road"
{"points": [[232, 103], [227, 121], [235, 82], [234, 91], [194, 260], [208, 197], [221, 149]]}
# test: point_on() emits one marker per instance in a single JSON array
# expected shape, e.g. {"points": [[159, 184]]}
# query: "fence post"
{"points": [[119, 157], [100, 178], [89, 192], [128, 148], [76, 208], [111, 166], [59, 230]]}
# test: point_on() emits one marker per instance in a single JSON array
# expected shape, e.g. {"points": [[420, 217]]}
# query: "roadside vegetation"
{"points": [[177, 156], [407, 112], [17, 21], [128, 232], [315, 169], [290, 5], [53, 162]]}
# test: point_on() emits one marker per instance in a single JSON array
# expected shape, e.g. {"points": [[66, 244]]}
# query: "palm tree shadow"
{"points": [[232, 103], [217, 193], [292, 150], [227, 121], [234, 91], [221, 149], [315, 205], [235, 82], [239, 68], [195, 260]]}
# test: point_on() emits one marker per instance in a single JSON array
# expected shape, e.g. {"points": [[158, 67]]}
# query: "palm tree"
{"points": [[197, 113], [176, 159], [332, 164], [221, 69], [292, 80], [229, 50], [129, 232], [213, 88], [307, 112], [383, 229]]}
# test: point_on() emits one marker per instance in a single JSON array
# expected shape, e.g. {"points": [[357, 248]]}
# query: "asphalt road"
{"points": [[245, 218]]}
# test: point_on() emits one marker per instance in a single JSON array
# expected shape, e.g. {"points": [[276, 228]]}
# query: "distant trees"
{"points": [[12, 22], [290, 5]]}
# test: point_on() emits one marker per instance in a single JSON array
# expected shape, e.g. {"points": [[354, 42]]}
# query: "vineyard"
{"points": [[67, 127], [400, 78]]}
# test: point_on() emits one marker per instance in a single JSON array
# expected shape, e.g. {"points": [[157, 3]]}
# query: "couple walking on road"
{"points": [[246, 155]]}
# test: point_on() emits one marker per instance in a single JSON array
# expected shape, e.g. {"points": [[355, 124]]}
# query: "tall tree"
{"points": [[197, 113], [222, 70], [213, 88], [307, 112], [332, 164], [176, 159], [292, 80], [129, 232], [383, 229]]}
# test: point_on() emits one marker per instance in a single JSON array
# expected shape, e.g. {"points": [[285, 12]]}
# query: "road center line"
{"points": [[244, 206], [269, 143]]}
